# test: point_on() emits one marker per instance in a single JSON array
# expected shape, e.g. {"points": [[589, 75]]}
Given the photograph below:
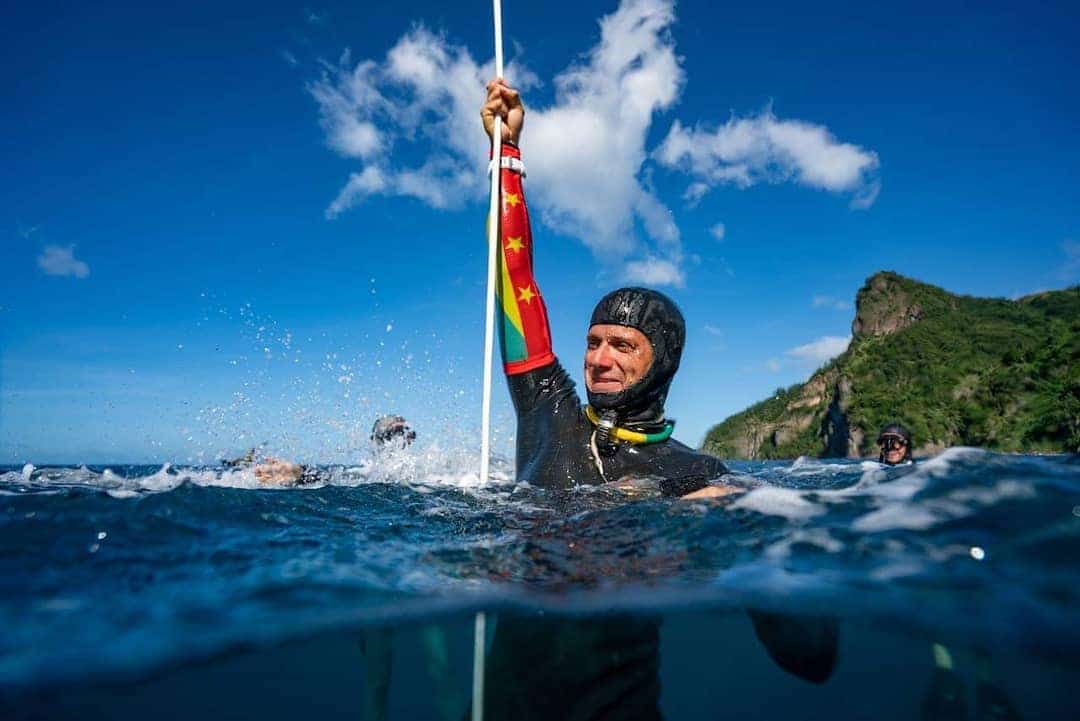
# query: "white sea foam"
{"points": [[1000, 491], [424, 469], [897, 515], [806, 466], [818, 537], [940, 465], [773, 501]]}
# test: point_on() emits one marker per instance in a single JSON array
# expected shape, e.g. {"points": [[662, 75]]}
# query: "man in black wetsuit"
{"points": [[634, 344]]}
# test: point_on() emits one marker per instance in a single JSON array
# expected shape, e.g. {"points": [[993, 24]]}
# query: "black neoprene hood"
{"points": [[895, 429], [388, 428], [661, 321]]}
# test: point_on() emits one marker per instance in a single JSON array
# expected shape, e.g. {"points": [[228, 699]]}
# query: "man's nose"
{"points": [[600, 356]]}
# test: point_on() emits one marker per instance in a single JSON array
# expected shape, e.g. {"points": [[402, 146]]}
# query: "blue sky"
{"points": [[188, 268]]}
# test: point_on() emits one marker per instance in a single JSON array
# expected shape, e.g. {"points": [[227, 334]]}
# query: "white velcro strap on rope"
{"points": [[514, 164]]}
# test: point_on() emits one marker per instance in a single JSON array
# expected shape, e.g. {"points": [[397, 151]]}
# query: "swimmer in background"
{"points": [[945, 698], [894, 440], [389, 433], [243, 461]]}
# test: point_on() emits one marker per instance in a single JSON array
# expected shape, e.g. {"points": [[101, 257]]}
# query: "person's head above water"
{"points": [[392, 430], [633, 348], [895, 444]]}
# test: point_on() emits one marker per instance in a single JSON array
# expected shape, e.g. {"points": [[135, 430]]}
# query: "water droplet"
{"points": [[978, 553], [389, 327], [102, 535], [94, 547], [1076, 511]]}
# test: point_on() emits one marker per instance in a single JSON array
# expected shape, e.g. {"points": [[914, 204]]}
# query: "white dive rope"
{"points": [[479, 637], [494, 220]]}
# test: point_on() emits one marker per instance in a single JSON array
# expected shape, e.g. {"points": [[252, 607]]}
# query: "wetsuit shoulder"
{"points": [[549, 388], [552, 431]]}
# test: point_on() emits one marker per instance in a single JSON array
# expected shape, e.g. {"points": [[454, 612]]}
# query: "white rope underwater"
{"points": [[479, 636], [494, 219]]}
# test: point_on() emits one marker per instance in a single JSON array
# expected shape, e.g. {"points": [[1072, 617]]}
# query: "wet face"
{"points": [[894, 449], [616, 357]]}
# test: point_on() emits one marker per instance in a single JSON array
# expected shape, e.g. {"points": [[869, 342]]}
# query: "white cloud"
{"points": [[61, 261], [718, 231], [587, 151], [289, 58], [695, 192], [425, 96], [588, 188], [772, 365], [764, 148], [827, 301], [368, 182], [713, 330], [654, 271], [587, 154], [821, 350]]}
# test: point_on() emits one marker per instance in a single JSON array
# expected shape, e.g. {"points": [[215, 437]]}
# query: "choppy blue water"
{"points": [[117, 573]]}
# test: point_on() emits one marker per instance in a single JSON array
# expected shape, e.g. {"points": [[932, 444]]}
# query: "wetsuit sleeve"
{"points": [[524, 333]]}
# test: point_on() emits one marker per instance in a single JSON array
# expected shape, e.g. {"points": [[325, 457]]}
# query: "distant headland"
{"points": [[956, 370]]}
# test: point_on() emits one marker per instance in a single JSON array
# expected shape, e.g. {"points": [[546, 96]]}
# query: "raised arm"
{"points": [[524, 333]]}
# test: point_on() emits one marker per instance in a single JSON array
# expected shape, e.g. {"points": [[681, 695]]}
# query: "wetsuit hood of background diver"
{"points": [[654, 314], [898, 431], [392, 431]]}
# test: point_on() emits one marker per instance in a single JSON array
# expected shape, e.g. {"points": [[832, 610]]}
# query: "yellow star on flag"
{"points": [[526, 294], [513, 199], [514, 243]]}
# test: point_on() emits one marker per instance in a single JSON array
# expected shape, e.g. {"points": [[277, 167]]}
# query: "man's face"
{"points": [[616, 357], [894, 448]]}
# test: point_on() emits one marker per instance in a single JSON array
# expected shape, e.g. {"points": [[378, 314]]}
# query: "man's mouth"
{"points": [[607, 385]]}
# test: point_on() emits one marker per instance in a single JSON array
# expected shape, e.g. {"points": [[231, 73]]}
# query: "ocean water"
{"points": [[947, 589]]}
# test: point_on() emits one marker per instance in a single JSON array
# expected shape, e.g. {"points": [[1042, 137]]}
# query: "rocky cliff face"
{"points": [[955, 369]]}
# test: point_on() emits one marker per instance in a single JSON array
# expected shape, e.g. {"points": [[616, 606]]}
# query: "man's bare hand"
{"points": [[711, 492], [503, 102], [276, 472]]}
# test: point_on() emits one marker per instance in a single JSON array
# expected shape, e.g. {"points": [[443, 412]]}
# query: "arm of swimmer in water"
{"points": [[524, 333], [712, 492], [277, 472]]}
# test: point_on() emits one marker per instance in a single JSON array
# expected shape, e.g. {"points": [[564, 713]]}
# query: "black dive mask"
{"points": [[892, 443], [659, 319]]}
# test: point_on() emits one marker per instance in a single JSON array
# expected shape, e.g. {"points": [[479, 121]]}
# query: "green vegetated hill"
{"points": [[956, 370]]}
